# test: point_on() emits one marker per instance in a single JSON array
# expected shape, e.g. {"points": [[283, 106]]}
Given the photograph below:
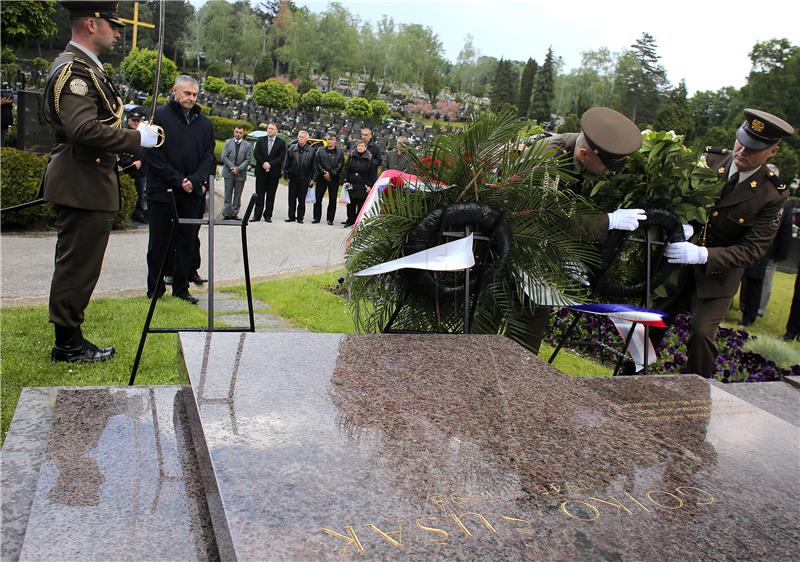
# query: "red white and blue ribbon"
{"points": [[637, 314]]}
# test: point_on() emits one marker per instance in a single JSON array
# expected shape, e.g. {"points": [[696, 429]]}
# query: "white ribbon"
{"points": [[452, 256]]}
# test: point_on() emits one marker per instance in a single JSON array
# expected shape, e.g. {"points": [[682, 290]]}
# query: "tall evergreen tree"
{"points": [[644, 80], [526, 87], [504, 86], [543, 91], [675, 113]]}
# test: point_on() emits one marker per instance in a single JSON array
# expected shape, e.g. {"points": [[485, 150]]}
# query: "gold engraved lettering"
{"points": [[538, 488], [438, 500], [637, 502], [433, 530], [512, 519], [352, 539], [556, 488], [488, 495], [680, 490], [649, 496], [596, 514], [395, 543], [457, 519], [456, 499], [618, 504]]}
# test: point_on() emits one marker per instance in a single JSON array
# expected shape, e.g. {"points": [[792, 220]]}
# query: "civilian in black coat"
{"points": [[269, 161]]}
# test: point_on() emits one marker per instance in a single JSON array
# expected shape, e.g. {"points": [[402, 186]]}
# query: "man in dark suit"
{"points": [[270, 151], [81, 180], [738, 231]]}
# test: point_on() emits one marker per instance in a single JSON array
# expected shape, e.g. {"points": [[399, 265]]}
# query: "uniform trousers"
{"points": [[707, 313], [184, 243], [332, 188], [80, 247]]}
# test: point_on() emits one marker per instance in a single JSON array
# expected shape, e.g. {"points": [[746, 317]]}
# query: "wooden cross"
{"points": [[136, 23]]}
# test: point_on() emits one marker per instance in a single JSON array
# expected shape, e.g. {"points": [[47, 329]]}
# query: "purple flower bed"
{"points": [[597, 335]]}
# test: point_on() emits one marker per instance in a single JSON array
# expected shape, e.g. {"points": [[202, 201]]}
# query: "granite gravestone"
{"points": [[325, 446]]}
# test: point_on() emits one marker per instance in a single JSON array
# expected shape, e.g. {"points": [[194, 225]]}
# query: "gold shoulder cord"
{"points": [[61, 81], [116, 115]]}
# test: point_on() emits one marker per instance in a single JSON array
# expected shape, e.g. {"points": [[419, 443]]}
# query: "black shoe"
{"points": [[87, 352], [268, 219], [187, 297], [343, 222], [235, 218], [197, 280], [315, 221], [150, 295], [299, 221], [289, 220], [255, 219], [330, 223], [348, 224], [790, 336], [168, 280]]}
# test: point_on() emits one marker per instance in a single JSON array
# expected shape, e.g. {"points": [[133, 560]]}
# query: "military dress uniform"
{"points": [[738, 231], [81, 180], [612, 137]]}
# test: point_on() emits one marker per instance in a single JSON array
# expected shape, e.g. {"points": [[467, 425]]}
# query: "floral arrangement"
{"points": [[733, 364], [663, 174]]}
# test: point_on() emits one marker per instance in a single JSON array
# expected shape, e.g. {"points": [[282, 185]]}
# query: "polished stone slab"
{"points": [[116, 477], [381, 447], [776, 397]]}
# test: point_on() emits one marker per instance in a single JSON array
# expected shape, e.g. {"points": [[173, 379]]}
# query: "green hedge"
{"points": [[223, 127], [20, 175]]}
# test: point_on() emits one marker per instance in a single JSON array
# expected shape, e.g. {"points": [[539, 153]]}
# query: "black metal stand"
{"points": [[170, 246], [645, 303]]}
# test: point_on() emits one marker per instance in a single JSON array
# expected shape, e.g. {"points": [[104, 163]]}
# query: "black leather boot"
{"points": [[72, 347]]}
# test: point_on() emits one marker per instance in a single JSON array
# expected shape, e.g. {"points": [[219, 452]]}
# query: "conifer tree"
{"points": [[504, 86], [543, 92], [526, 87]]}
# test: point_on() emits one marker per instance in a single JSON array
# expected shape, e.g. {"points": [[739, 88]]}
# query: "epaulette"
{"points": [[64, 58], [776, 180], [716, 150]]}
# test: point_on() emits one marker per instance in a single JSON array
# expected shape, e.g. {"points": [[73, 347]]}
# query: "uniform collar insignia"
{"points": [[754, 184], [721, 170]]}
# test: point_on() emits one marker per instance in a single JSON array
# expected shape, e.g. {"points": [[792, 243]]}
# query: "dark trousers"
{"points": [[353, 208], [266, 186], [297, 198], [140, 211], [707, 313], [80, 247], [793, 324], [184, 246], [332, 188], [750, 297], [535, 323]]}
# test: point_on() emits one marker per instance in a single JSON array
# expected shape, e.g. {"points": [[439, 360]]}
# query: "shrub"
{"points": [[20, 175], [358, 108], [311, 99], [274, 94], [333, 100], [213, 84], [305, 86], [380, 109], [139, 70], [223, 127], [233, 92]]}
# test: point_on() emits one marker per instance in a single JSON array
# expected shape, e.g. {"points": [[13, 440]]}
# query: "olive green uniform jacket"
{"points": [[84, 110], [739, 229], [593, 228]]}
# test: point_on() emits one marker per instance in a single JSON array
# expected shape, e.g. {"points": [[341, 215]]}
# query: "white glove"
{"points": [[688, 231], [148, 134], [686, 252], [626, 219]]}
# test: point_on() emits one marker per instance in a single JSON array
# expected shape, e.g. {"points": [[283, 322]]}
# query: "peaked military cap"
{"points": [[611, 135], [106, 9], [761, 130]]}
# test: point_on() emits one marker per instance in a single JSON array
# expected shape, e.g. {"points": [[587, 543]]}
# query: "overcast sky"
{"points": [[705, 43]]}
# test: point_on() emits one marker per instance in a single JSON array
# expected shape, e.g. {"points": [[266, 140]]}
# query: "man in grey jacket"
{"points": [[236, 154]]}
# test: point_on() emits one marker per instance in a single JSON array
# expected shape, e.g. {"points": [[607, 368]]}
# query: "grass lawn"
{"points": [[27, 337], [773, 323]]}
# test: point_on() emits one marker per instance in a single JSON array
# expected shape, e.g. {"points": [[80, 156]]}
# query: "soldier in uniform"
{"points": [[738, 231], [81, 179], [606, 139]]}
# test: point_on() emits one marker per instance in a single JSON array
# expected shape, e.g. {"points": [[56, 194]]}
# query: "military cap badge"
{"points": [[757, 126]]}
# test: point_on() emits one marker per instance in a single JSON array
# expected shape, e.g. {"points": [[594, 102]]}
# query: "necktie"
{"points": [[730, 185], [269, 148], [236, 152]]}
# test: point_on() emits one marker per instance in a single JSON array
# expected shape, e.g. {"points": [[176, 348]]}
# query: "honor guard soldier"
{"points": [[81, 179], [738, 231], [606, 140]]}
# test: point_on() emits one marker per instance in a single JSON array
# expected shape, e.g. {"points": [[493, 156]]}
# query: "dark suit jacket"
{"points": [[739, 229], [82, 170], [275, 158]]}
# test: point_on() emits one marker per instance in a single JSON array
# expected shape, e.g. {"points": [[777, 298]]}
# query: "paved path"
{"points": [[275, 248]]}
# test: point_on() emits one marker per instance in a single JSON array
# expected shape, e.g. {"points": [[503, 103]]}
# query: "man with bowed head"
{"points": [[270, 151], [236, 154], [739, 230], [606, 139], [300, 173], [84, 109]]}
